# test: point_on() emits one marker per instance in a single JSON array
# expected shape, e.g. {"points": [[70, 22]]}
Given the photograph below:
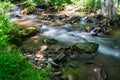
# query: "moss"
{"points": [[15, 67]]}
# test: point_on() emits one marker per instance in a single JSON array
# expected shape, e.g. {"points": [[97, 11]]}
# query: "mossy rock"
{"points": [[88, 47], [28, 10], [29, 31]]}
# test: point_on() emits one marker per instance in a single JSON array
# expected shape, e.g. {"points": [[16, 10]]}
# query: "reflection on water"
{"points": [[107, 46]]}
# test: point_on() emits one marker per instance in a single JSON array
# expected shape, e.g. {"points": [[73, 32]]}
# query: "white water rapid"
{"points": [[106, 45]]}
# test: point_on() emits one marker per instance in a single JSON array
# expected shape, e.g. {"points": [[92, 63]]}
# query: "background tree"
{"points": [[115, 8], [110, 9]]}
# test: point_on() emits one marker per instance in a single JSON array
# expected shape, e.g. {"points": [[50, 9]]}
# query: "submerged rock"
{"points": [[88, 47]]}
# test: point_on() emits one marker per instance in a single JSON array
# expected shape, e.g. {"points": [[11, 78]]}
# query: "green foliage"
{"points": [[119, 7], [75, 1], [5, 25], [47, 2], [3, 30], [59, 2], [35, 2], [8, 32], [5, 7], [87, 5], [13, 66]]}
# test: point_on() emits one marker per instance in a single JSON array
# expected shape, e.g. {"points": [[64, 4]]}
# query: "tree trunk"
{"points": [[109, 8], [114, 9], [103, 7]]}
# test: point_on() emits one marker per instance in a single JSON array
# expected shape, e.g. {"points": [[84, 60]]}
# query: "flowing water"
{"points": [[109, 50], [17, 16], [107, 46], [68, 35]]}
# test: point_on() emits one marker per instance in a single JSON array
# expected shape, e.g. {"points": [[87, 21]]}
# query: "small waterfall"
{"points": [[107, 45]]}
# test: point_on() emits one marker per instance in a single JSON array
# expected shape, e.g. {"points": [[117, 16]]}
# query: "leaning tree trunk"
{"points": [[114, 9]]}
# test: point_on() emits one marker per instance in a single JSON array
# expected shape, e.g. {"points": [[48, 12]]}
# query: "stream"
{"points": [[108, 51], [107, 46]]}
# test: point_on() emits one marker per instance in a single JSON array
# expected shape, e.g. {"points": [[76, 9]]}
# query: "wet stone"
{"points": [[88, 47], [29, 31]]}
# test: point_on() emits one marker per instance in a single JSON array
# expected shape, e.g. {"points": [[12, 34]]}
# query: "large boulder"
{"points": [[88, 47]]}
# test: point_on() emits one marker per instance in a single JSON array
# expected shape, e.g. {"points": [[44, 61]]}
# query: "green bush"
{"points": [[87, 5], [5, 7], [3, 30], [35, 2], [14, 66], [59, 2], [119, 7], [7, 28], [8, 33]]}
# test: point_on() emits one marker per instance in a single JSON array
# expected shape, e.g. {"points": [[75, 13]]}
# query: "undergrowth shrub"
{"points": [[13, 65], [87, 5]]}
